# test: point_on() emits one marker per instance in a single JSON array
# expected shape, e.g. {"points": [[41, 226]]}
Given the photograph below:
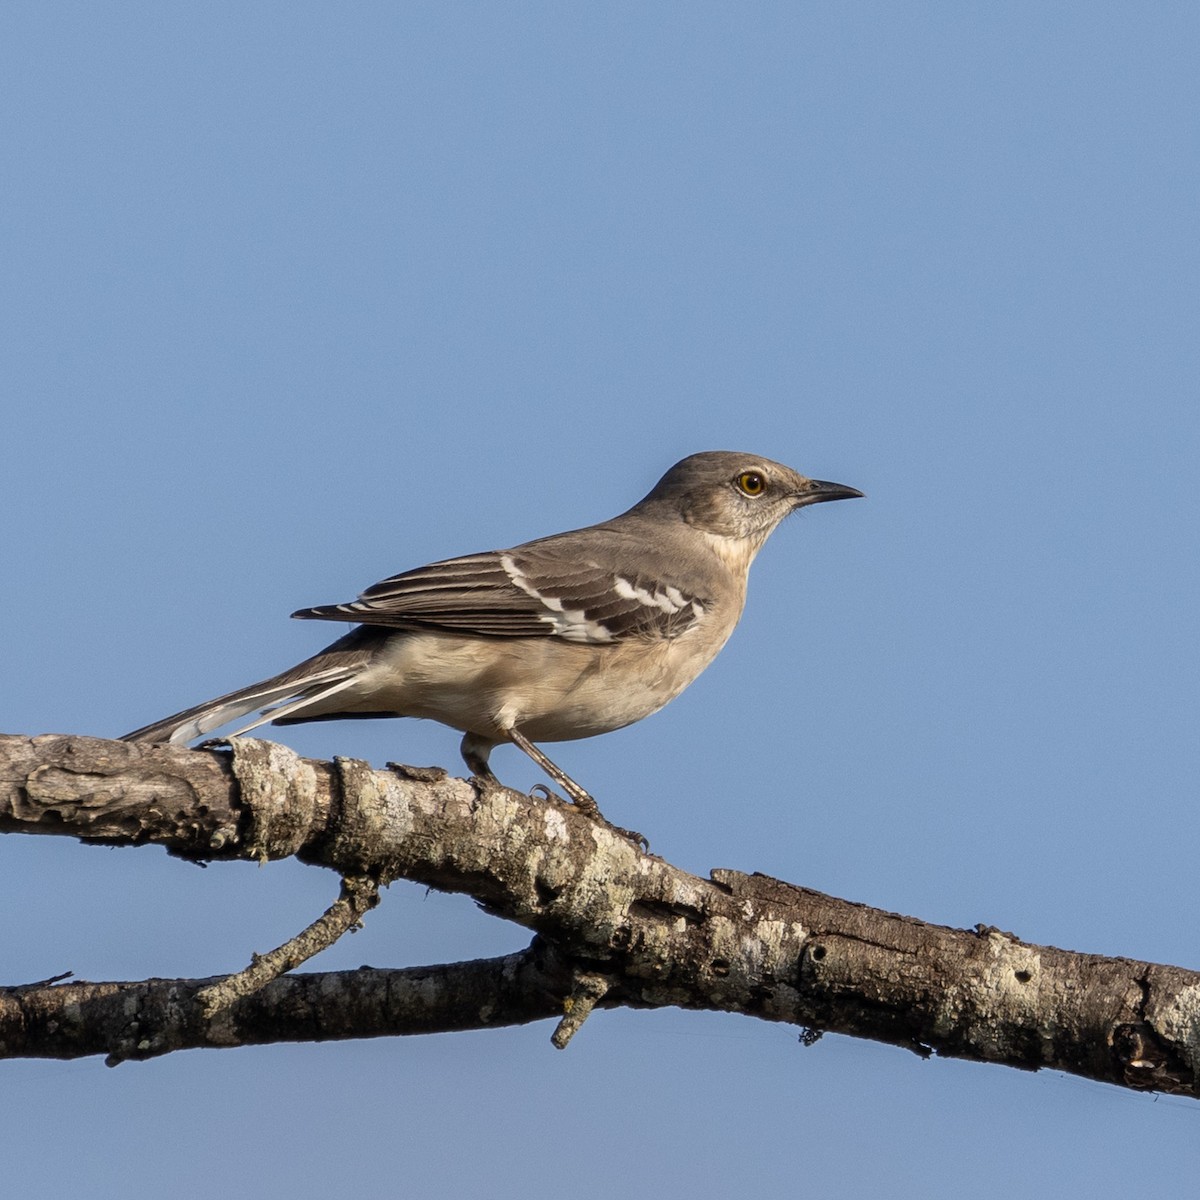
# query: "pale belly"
{"points": [[548, 689]]}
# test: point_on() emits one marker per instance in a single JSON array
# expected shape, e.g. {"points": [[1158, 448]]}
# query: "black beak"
{"points": [[818, 491]]}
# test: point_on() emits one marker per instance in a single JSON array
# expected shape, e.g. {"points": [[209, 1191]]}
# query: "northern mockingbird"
{"points": [[564, 637]]}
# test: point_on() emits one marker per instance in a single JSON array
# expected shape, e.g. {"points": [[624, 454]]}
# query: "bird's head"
{"points": [[738, 496]]}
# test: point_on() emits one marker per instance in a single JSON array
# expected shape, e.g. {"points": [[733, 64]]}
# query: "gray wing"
{"points": [[536, 590]]}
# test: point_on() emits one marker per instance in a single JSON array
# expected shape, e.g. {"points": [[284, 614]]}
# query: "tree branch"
{"points": [[615, 926], [155, 1016]]}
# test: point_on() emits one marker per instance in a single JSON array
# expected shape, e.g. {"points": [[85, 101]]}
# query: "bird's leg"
{"points": [[582, 799], [475, 751], [579, 797]]}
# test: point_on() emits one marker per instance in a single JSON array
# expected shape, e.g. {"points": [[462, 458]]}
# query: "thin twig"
{"points": [[359, 894]]}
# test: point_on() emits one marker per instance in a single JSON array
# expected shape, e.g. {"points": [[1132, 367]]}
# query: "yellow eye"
{"points": [[751, 483]]}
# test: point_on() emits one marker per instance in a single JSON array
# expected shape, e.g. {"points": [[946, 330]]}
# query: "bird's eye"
{"points": [[751, 483]]}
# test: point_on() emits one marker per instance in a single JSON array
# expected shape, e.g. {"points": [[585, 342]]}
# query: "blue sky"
{"points": [[299, 296]]}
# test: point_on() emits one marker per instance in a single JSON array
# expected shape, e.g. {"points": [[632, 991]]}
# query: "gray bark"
{"points": [[613, 927]]}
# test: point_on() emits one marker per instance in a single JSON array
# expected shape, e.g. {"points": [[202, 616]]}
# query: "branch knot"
{"points": [[278, 791]]}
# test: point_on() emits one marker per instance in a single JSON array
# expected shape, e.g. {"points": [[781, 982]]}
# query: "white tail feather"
{"points": [[282, 710], [195, 722]]}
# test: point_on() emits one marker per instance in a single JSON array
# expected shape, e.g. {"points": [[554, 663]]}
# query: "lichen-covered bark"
{"points": [[615, 926], [155, 1016]]}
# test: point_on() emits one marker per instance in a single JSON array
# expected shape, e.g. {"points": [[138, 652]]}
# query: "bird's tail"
{"points": [[290, 696], [281, 696]]}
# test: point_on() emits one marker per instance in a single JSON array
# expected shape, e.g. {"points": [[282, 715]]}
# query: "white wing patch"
{"points": [[570, 624], [671, 600]]}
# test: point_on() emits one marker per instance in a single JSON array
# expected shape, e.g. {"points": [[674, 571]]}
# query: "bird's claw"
{"points": [[639, 840], [590, 809]]}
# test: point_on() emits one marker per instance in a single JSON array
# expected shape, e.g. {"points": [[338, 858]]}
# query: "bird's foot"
{"points": [[484, 782], [586, 804], [639, 840]]}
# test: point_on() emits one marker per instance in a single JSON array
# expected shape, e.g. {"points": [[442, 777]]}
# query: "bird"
{"points": [[565, 637]]}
